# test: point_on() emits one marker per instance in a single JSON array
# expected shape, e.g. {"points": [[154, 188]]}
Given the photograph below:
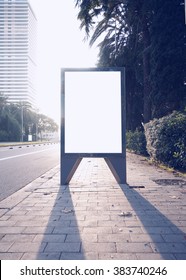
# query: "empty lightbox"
{"points": [[92, 112]]}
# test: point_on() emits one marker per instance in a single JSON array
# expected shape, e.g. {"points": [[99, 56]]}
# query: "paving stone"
{"points": [[5, 218], [79, 256], [80, 223], [63, 247], [22, 218], [176, 238], [103, 217], [55, 223], [47, 213], [122, 229], [180, 256], [10, 256], [146, 237], [180, 223], [157, 230], [17, 237], [17, 213], [105, 230], [29, 247], [178, 230], [3, 211], [35, 230], [8, 229], [66, 230], [111, 223], [99, 247], [4, 246], [49, 238], [117, 237], [1, 236], [83, 237], [169, 247], [47, 219], [40, 256], [133, 247], [155, 256], [117, 256], [70, 218], [31, 223]]}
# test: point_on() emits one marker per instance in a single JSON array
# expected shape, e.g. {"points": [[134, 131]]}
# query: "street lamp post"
{"points": [[22, 123]]}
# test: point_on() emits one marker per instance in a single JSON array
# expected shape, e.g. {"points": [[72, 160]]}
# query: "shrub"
{"points": [[166, 140], [136, 141]]}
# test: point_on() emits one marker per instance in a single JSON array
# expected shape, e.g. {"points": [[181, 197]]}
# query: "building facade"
{"points": [[18, 26]]}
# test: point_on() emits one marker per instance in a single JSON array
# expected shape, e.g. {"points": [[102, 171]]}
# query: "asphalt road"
{"points": [[20, 165]]}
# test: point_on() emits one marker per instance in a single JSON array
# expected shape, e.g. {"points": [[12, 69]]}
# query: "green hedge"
{"points": [[136, 141], [166, 140]]}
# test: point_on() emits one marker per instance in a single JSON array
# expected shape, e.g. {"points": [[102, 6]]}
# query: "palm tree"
{"points": [[118, 20]]}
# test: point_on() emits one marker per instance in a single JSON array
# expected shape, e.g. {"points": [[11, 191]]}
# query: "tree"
{"points": [[3, 102], [46, 124], [14, 117], [9, 127], [120, 20], [167, 57], [146, 36], [131, 59]]}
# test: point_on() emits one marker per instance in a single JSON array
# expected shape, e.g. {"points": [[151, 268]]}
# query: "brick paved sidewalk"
{"points": [[95, 218]]}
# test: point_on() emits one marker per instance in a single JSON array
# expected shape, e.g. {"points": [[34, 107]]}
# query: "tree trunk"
{"points": [[146, 72]]}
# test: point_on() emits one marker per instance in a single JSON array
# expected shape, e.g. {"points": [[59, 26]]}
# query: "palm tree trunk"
{"points": [[146, 72]]}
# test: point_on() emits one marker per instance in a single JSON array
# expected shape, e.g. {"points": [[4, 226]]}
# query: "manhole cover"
{"points": [[170, 182]]}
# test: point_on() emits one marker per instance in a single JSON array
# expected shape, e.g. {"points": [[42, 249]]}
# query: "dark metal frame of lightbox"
{"points": [[115, 161]]}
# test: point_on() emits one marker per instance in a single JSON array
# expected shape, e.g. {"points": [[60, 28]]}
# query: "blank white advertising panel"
{"points": [[93, 117]]}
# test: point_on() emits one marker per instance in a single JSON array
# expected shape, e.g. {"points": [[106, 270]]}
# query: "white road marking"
{"points": [[1, 159]]}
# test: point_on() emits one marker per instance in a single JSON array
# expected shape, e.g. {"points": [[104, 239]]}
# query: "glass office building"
{"points": [[18, 51]]}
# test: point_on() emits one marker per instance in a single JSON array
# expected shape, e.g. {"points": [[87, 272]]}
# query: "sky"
{"points": [[60, 44]]}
